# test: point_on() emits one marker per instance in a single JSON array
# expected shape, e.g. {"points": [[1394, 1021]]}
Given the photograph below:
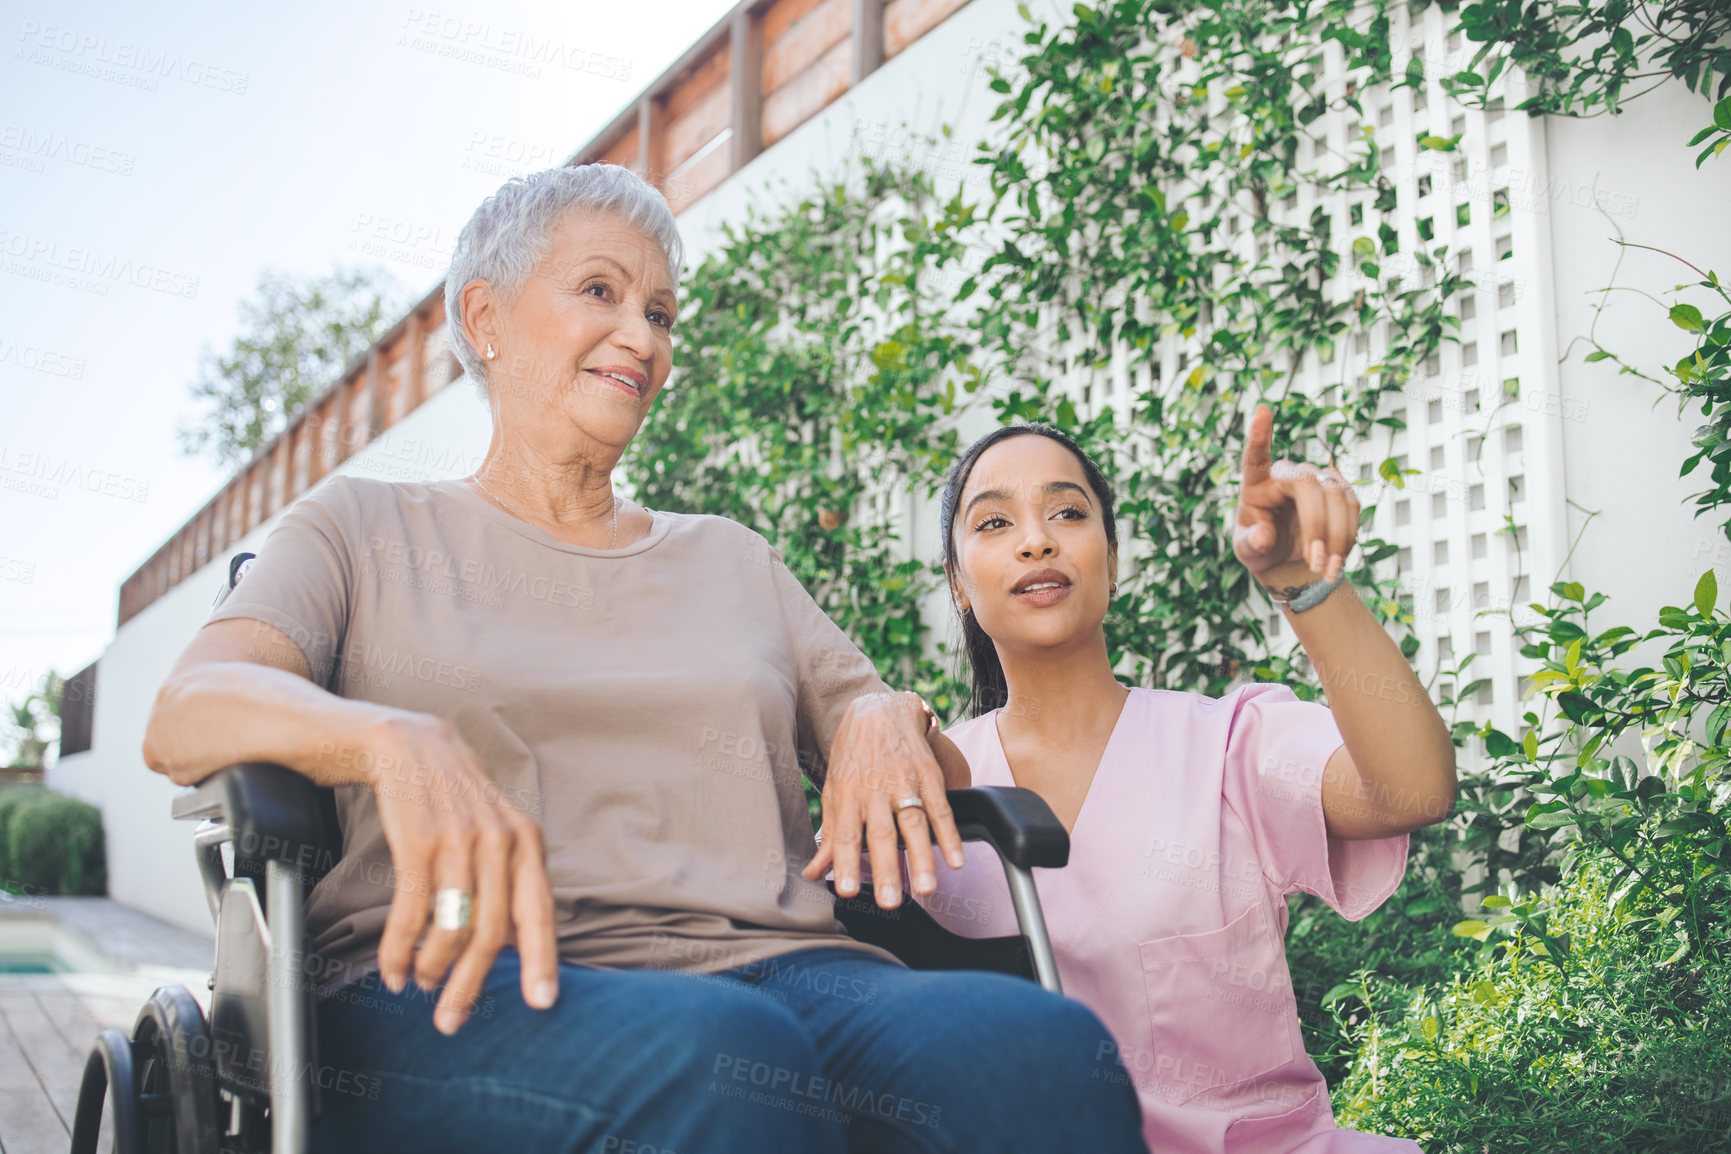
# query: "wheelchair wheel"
{"points": [[175, 1076]]}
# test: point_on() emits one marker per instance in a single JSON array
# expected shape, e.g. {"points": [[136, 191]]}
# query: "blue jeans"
{"points": [[811, 1052]]}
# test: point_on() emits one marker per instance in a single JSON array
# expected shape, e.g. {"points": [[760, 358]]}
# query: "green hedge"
{"points": [[1592, 1041], [51, 843]]}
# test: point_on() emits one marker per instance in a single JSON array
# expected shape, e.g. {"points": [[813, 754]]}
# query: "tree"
{"points": [[31, 727], [298, 335]]}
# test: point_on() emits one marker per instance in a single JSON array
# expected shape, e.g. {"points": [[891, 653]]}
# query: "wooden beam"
{"points": [[318, 423], [417, 383], [374, 405], [646, 138], [868, 38], [745, 76], [279, 488]]}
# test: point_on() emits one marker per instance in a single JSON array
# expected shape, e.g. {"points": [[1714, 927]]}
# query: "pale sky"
{"points": [[151, 166]]}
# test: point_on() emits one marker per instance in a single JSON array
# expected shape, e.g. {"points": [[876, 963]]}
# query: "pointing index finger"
{"points": [[1258, 441]]}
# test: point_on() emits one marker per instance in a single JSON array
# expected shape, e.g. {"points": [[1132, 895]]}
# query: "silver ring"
{"points": [[908, 803], [451, 909]]}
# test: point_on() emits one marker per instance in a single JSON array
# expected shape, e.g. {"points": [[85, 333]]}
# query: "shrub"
{"points": [[1573, 1032], [54, 845], [12, 799], [1408, 939]]}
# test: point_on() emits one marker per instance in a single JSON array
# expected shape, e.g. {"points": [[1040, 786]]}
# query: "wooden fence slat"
{"points": [[805, 42], [905, 21], [681, 138], [810, 92]]}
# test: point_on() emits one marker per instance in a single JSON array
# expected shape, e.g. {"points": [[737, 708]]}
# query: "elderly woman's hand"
{"points": [[882, 756], [448, 826]]}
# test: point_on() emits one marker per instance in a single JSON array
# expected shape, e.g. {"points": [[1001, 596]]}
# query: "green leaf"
{"points": [[1687, 317], [1716, 722], [1472, 928], [1598, 355], [889, 355], [1722, 114], [1706, 593], [1236, 91], [1496, 902], [1530, 745]]}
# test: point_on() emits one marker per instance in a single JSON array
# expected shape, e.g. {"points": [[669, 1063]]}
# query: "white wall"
{"points": [[1626, 440], [150, 862]]}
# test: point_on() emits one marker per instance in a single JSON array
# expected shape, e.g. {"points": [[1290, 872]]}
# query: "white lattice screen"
{"points": [[1481, 416]]}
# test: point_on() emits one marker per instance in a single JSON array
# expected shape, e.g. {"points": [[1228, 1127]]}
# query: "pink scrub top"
{"points": [[1170, 920]]}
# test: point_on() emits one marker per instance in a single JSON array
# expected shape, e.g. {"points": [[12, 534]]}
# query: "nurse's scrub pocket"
{"points": [[1220, 1007]]}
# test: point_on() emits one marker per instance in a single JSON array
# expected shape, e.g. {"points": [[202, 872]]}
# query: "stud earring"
{"points": [[490, 353]]}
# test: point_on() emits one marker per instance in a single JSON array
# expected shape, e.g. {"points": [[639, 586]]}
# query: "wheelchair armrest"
{"points": [[273, 813], [1016, 822]]}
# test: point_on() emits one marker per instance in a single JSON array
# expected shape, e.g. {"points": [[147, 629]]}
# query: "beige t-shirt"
{"points": [[652, 706]]}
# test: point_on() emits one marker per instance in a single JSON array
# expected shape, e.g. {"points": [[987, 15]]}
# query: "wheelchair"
{"points": [[242, 1081]]}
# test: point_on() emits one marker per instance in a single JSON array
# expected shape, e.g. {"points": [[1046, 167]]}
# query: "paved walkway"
{"points": [[48, 1021]]}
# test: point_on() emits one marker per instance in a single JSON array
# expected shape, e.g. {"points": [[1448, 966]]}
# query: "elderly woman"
{"points": [[566, 734]]}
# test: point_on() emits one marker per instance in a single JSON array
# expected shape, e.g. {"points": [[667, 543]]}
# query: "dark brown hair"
{"points": [[989, 689]]}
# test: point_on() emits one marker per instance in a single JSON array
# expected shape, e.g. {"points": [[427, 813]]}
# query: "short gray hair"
{"points": [[510, 233]]}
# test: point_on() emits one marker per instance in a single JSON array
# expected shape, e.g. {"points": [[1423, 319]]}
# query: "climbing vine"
{"points": [[1168, 190]]}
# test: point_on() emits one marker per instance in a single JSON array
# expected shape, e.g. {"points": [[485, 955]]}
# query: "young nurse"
{"points": [[1191, 817]]}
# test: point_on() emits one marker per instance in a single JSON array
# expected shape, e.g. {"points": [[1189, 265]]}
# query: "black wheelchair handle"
{"points": [[275, 814], [1014, 821]]}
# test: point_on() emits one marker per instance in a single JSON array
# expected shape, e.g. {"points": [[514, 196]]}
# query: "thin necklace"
{"points": [[612, 544]]}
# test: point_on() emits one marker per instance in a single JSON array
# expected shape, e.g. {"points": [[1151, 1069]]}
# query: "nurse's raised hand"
{"points": [[1290, 511], [882, 756]]}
